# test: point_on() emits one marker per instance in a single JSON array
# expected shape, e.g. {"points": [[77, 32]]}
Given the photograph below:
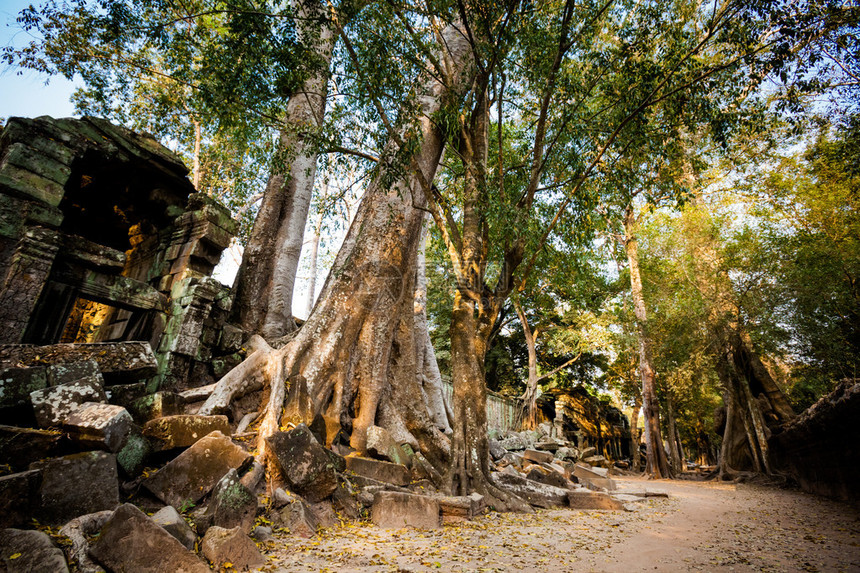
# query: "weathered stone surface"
{"points": [[125, 394], [295, 514], [537, 494], [818, 448], [231, 545], [537, 456], [379, 470], [548, 478], [157, 405], [96, 425], [173, 522], [182, 431], [344, 499], [68, 372], [130, 541], [381, 445], [230, 505], [592, 479], [460, 508], [19, 447], [597, 461], [309, 469], [54, 405], [547, 444], [588, 452], [193, 474], [392, 509], [513, 443], [18, 495], [119, 362], [134, 454], [34, 551], [584, 499], [16, 384], [566, 454], [76, 484], [496, 450]]}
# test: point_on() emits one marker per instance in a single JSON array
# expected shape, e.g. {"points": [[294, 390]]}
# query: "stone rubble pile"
{"points": [[122, 478]]}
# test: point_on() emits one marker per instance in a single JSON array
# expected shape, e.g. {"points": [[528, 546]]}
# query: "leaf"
{"points": [[14, 556]]}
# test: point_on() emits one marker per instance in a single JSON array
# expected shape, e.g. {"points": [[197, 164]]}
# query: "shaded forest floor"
{"points": [[702, 526]]}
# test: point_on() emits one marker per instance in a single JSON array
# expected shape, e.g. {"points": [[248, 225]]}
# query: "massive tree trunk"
{"points": [[656, 463], [263, 296], [353, 363]]}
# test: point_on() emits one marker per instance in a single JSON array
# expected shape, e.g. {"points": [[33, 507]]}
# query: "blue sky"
{"points": [[25, 93]]}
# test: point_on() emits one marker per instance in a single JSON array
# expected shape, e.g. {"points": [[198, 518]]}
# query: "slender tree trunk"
{"points": [[264, 285], [312, 272], [428, 368], [634, 433], [675, 457], [656, 463], [195, 161], [529, 397]]}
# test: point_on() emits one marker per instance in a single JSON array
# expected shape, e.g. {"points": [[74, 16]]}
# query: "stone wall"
{"points": [[821, 447], [104, 239]]}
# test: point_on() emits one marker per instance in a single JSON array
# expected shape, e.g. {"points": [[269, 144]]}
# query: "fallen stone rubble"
{"points": [[111, 480]]}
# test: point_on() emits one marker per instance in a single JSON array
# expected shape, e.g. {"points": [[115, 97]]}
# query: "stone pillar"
{"points": [[26, 275]]}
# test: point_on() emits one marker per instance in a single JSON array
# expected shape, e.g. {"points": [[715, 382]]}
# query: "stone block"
{"points": [[592, 479], [513, 443], [381, 445], [125, 394], [119, 362], [75, 485], [29, 551], [19, 447], [16, 384], [193, 474], [28, 185], [344, 499], [53, 405], [230, 505], [395, 510], [295, 514], [171, 521], [130, 541], [18, 496], [584, 499], [497, 452], [183, 430], [231, 338], [548, 477], [538, 457], [133, 456], [597, 461], [308, 468], [387, 472], [154, 406], [69, 372], [460, 508], [102, 426], [231, 545], [536, 493]]}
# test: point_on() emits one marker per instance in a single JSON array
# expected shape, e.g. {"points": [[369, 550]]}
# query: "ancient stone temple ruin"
{"points": [[103, 239]]}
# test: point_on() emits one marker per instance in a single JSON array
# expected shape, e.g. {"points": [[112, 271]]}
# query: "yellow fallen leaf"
{"points": [[15, 556]]}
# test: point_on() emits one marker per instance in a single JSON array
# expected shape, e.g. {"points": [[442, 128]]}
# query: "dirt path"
{"points": [[700, 527]]}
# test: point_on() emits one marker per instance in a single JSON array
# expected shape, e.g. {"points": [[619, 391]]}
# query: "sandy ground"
{"points": [[702, 526]]}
